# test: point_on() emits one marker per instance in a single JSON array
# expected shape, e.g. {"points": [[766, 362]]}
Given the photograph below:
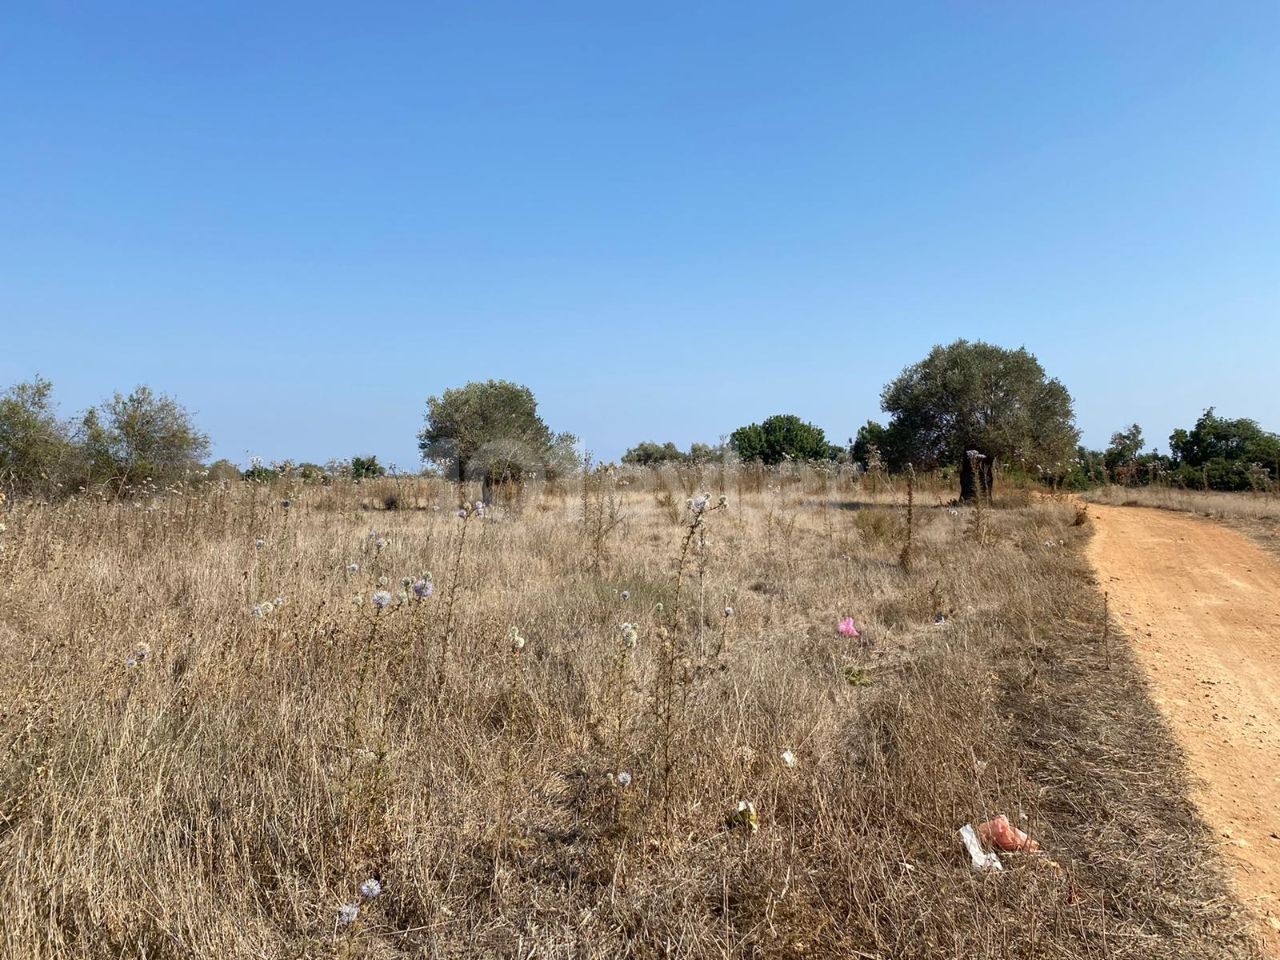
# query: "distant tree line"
{"points": [[1216, 454], [649, 453], [968, 406], [357, 468]]}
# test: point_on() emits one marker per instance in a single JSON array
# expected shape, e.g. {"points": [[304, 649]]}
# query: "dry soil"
{"points": [[1201, 603]]}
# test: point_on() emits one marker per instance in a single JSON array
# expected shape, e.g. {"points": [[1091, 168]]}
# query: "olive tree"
{"points": [[977, 405], [490, 430]]}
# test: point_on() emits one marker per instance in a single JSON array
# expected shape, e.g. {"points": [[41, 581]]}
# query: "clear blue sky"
{"points": [[667, 219]]}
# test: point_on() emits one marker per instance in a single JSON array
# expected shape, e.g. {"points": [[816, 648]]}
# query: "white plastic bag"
{"points": [[981, 859]]}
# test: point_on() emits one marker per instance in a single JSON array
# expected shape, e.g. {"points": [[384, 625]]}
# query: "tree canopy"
{"points": [[1121, 457], [648, 452], [367, 468], [872, 447], [127, 440], [35, 446], [781, 437], [975, 397], [491, 429], [1224, 454], [141, 436]]}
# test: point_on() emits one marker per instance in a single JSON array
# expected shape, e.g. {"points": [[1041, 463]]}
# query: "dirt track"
{"points": [[1202, 606]]}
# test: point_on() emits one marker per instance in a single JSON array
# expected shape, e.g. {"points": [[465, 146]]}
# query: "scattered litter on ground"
{"points": [[1003, 835], [744, 817], [980, 859]]}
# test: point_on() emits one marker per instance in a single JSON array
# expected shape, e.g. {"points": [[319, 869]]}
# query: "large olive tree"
{"points": [[491, 430], [977, 405]]}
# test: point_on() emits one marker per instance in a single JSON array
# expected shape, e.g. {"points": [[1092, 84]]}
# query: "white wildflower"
{"points": [[629, 636]]}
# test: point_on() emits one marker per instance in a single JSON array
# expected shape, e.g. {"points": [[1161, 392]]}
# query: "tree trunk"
{"points": [[977, 477], [968, 480], [987, 474]]}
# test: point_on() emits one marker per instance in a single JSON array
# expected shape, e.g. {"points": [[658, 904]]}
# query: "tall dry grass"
{"points": [[1261, 506], [182, 778], [1255, 514]]}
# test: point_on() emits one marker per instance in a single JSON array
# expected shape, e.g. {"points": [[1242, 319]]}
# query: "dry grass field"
{"points": [[187, 772], [1208, 503]]}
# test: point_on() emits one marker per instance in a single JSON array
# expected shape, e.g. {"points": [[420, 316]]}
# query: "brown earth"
{"points": [[1201, 603]]}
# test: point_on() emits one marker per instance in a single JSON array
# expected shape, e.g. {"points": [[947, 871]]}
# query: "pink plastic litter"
{"points": [[1003, 835], [847, 628]]}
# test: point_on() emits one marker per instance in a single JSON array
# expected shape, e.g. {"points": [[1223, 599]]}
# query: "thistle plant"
{"points": [[722, 646], [905, 558], [672, 652], [978, 528], [629, 637], [601, 510], [515, 679], [465, 513], [365, 800]]}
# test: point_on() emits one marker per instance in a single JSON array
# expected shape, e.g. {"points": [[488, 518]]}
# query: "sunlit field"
{"points": [[1257, 514], [614, 718], [1262, 506]]}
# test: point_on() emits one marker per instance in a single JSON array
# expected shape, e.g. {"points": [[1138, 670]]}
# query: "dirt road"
{"points": [[1202, 606]]}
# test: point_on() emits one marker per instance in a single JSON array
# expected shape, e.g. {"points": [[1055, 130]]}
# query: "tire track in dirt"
{"points": [[1201, 604]]}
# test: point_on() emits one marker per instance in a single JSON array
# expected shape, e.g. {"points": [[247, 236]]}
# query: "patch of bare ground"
{"points": [[1200, 602]]}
